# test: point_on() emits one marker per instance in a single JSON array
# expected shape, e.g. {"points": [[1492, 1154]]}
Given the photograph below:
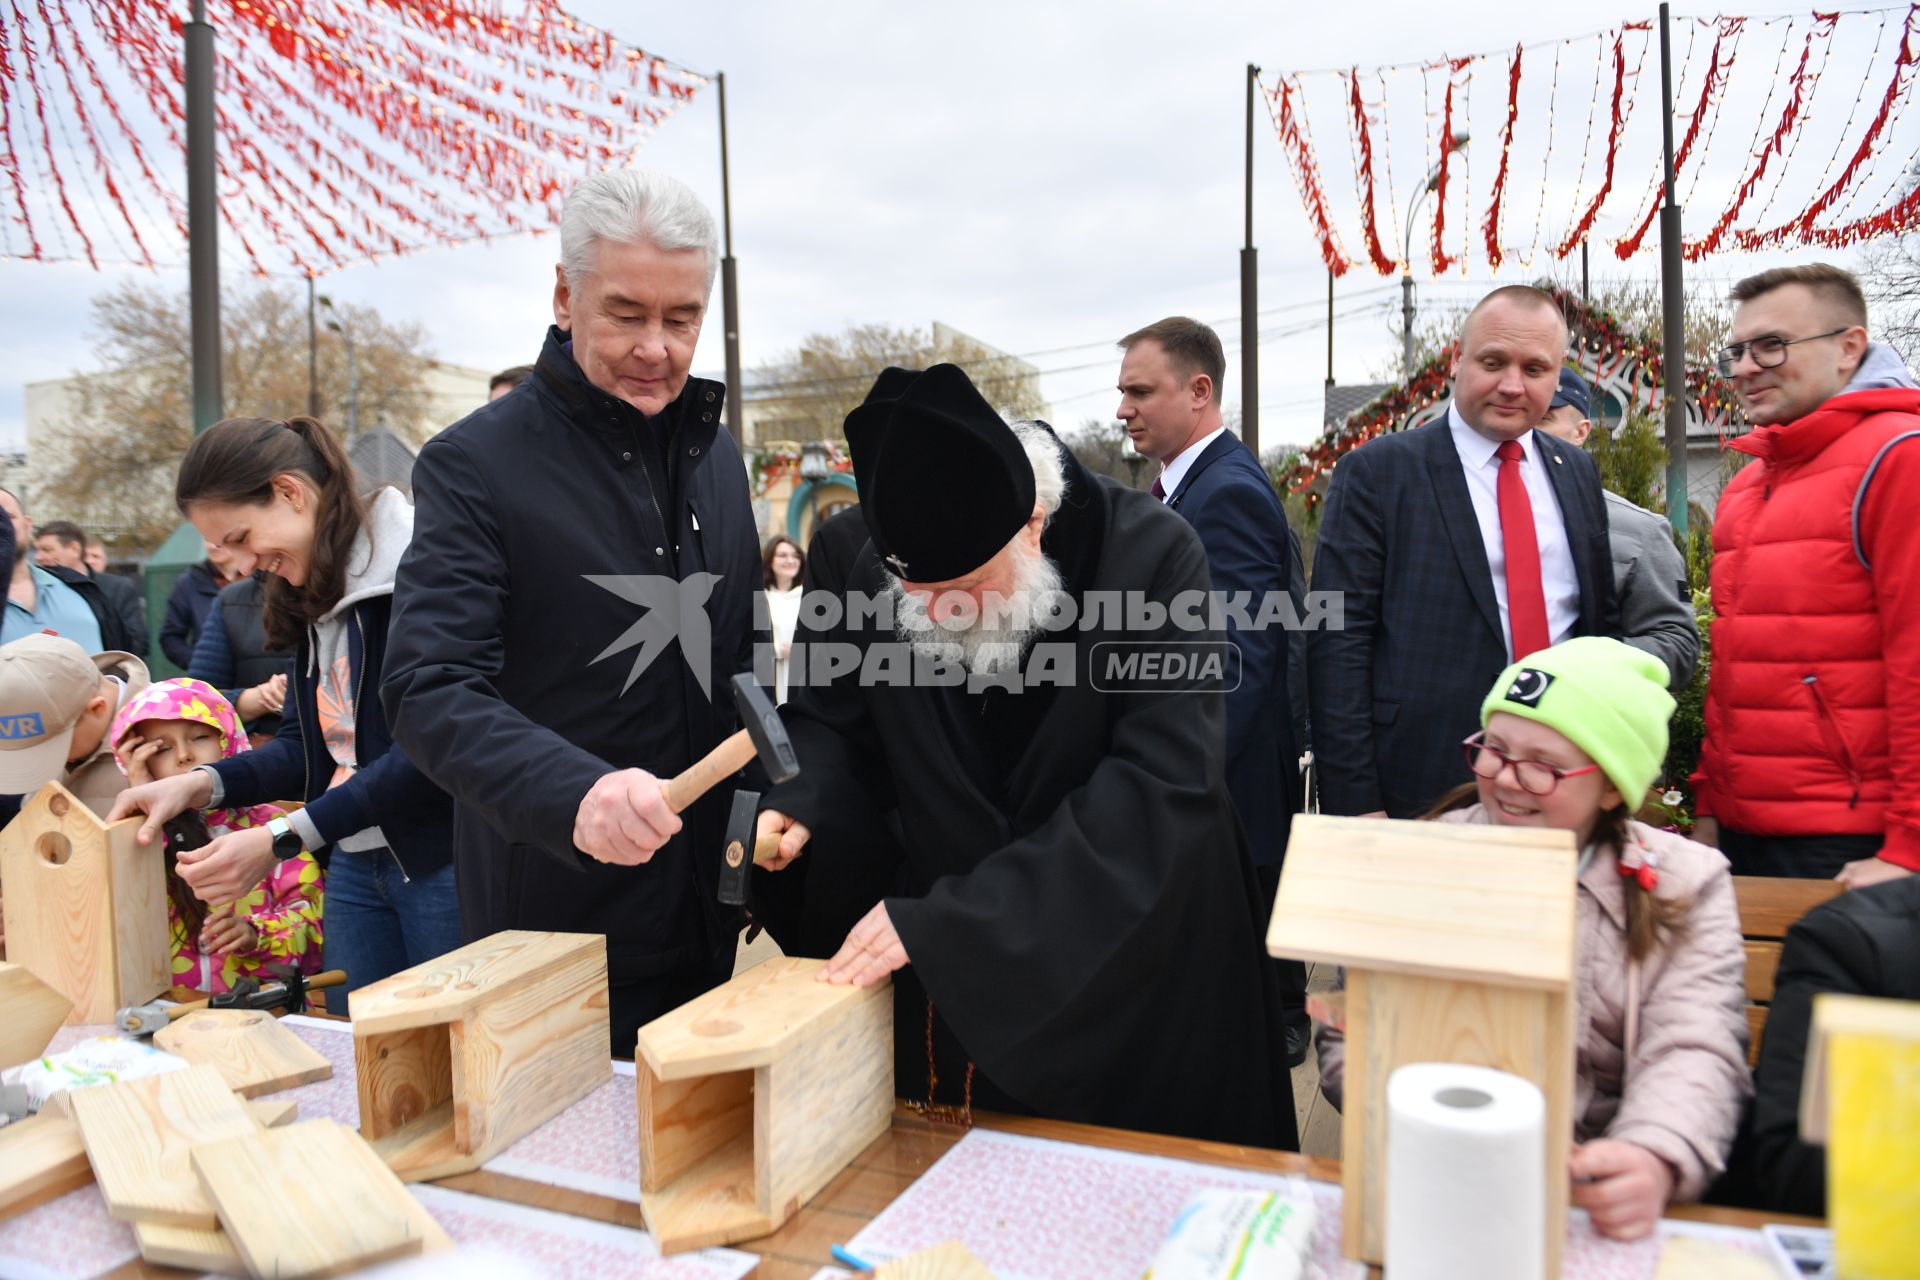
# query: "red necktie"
{"points": [[1526, 598], [1157, 491]]}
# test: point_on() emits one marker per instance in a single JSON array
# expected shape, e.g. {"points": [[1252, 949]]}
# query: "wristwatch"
{"points": [[286, 841]]}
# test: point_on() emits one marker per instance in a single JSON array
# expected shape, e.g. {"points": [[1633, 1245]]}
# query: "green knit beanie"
{"points": [[1610, 699]]}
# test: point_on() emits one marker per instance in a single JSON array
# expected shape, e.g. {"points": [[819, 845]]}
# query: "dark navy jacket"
{"points": [[387, 791], [520, 672], [1227, 498], [1397, 687]]}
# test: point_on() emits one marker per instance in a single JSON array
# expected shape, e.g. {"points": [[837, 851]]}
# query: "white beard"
{"points": [[994, 640]]}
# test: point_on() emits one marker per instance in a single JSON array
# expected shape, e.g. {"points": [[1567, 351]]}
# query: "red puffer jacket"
{"points": [[1813, 706]]}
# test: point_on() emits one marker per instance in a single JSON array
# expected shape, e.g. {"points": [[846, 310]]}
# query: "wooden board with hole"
{"points": [[311, 1200], [250, 1049], [85, 907], [138, 1135], [458, 1058]]}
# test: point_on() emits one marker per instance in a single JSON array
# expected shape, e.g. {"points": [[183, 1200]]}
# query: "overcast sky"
{"points": [[1044, 177]]}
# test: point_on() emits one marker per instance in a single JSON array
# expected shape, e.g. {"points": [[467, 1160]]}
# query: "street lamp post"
{"points": [[353, 380], [1457, 143]]}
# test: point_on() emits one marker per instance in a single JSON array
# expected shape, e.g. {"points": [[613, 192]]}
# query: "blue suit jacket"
{"points": [[1400, 684], [1230, 503]]}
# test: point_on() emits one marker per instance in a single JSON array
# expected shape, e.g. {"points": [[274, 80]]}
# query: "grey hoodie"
{"points": [[371, 566], [1880, 367]]}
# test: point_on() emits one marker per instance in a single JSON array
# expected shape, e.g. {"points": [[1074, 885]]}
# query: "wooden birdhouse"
{"points": [[460, 1057], [86, 906], [754, 1096], [1458, 942]]}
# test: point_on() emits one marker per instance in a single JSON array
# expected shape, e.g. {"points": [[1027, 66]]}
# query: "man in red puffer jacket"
{"points": [[1811, 765]]}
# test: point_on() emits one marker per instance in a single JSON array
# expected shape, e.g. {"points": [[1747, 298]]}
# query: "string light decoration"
{"points": [[348, 129], [1807, 176], [1621, 359]]}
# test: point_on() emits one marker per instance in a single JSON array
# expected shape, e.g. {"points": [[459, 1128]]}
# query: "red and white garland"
{"points": [[348, 129]]}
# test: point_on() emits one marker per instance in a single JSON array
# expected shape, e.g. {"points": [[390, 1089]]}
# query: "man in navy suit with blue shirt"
{"points": [[1457, 548], [1170, 405]]}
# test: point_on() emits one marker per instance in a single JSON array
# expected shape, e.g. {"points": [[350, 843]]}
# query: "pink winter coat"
{"points": [[1688, 1077]]}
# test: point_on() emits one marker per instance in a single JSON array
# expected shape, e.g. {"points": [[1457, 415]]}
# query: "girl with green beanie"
{"points": [[1572, 738]]}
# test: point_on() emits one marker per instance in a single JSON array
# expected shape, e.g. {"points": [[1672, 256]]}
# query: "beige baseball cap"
{"points": [[46, 681]]}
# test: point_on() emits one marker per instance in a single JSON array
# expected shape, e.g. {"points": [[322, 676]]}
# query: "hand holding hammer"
{"points": [[627, 816]]}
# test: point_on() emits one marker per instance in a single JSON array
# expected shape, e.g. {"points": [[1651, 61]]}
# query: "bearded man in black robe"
{"points": [[1030, 833]]}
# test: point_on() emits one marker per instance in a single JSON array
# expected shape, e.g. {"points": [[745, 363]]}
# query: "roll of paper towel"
{"points": [[1466, 1191]]}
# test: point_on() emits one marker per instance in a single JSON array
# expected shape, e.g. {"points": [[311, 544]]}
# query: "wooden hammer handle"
{"points": [[723, 761]]}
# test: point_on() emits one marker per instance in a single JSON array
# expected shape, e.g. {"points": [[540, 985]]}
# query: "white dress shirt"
{"points": [[1557, 576], [1176, 471]]}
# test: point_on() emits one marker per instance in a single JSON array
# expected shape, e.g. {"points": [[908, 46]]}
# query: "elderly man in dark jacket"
{"points": [[578, 593]]}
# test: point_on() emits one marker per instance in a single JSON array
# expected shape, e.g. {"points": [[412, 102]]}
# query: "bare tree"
{"points": [[1889, 272], [807, 394], [129, 424]]}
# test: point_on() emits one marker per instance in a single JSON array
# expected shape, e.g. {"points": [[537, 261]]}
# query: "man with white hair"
{"points": [[569, 540], [1035, 827]]}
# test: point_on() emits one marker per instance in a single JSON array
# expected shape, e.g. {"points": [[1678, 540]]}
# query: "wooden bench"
{"points": [[1769, 906]]}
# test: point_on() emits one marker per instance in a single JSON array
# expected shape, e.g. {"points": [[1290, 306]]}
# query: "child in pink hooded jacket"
{"points": [[1573, 738], [169, 728]]}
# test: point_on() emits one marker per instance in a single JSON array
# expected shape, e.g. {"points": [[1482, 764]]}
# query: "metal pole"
{"points": [[1250, 300], [729, 280], [1329, 328], [353, 389], [313, 356], [203, 250], [1586, 285], [1673, 305], [1406, 326]]}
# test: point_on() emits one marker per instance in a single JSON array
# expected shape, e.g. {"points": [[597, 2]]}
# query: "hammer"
{"points": [[763, 735], [286, 993], [741, 823]]}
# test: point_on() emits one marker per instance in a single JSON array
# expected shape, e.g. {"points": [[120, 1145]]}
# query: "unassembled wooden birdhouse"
{"points": [[754, 1096], [1458, 942], [461, 1056], [86, 906]]}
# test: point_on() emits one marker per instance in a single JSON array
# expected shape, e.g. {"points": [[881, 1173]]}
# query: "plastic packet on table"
{"points": [[94, 1061], [1223, 1233]]}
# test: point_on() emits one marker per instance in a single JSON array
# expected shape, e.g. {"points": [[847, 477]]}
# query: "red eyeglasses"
{"points": [[1536, 777]]}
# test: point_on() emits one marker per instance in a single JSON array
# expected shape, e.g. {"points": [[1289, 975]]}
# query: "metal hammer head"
{"points": [[762, 723], [143, 1019], [737, 853]]}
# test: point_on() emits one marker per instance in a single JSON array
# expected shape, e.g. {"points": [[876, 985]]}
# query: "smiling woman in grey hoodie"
{"points": [[281, 497]]}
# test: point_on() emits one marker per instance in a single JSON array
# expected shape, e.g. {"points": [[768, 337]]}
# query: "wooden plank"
{"points": [[447, 988], [743, 1023], [311, 1200], [536, 1044], [1770, 905], [1763, 961], [401, 1075], [1394, 1019], [40, 1157], [193, 1248], [1756, 1028], [683, 1121], [85, 908], [823, 1098], [1833, 1015], [1446, 900], [275, 1112], [138, 1134], [712, 1202], [30, 1012], [252, 1052]]}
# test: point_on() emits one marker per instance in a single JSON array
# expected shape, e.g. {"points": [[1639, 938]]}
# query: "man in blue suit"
{"points": [[1457, 548], [1170, 404]]}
